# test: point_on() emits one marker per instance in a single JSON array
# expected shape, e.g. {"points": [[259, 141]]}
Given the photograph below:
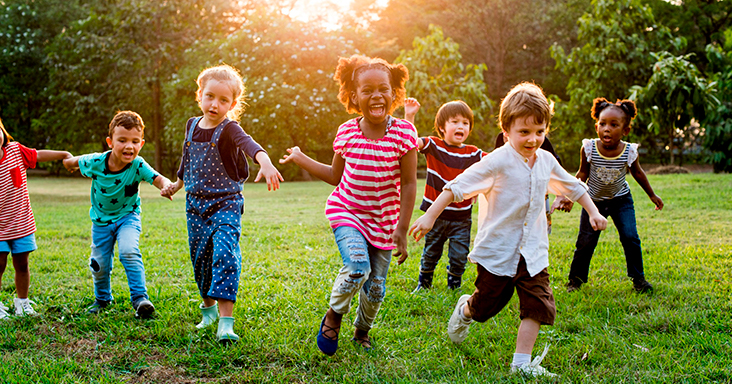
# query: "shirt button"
{"points": [[525, 224]]}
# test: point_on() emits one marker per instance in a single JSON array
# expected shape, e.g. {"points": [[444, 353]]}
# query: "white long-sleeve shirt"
{"points": [[512, 217]]}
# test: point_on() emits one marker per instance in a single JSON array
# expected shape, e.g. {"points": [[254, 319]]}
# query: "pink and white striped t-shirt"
{"points": [[16, 215], [368, 195]]}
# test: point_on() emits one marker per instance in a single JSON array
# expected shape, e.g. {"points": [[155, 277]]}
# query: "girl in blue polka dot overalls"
{"points": [[213, 171]]}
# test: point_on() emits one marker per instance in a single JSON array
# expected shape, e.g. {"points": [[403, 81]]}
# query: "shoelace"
{"points": [[26, 306], [3, 307], [537, 360]]}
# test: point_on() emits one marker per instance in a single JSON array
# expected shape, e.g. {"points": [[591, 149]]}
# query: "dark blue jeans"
{"points": [[458, 232], [621, 210]]}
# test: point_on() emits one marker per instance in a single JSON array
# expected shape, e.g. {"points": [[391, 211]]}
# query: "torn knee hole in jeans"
{"points": [[94, 265], [351, 283], [377, 290]]}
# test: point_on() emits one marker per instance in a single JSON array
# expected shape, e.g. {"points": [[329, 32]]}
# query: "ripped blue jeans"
{"points": [[364, 269]]}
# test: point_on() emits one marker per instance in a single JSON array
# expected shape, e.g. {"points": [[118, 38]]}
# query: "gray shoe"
{"points": [[97, 306], [144, 309], [458, 328]]}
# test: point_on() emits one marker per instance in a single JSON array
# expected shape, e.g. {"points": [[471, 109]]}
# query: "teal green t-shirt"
{"points": [[114, 194]]}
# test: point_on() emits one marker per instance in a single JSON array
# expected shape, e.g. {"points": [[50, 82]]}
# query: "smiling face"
{"points": [[217, 99], [125, 145], [611, 126], [373, 95], [526, 136], [456, 130]]}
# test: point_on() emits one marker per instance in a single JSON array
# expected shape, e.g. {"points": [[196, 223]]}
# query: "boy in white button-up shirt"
{"points": [[511, 247]]}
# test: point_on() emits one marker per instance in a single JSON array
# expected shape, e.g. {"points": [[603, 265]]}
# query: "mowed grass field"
{"points": [[604, 333]]}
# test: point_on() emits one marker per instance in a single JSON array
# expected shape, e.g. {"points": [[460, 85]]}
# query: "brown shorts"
{"points": [[492, 293]]}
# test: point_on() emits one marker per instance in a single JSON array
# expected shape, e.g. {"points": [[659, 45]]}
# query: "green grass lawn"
{"points": [[604, 333]]}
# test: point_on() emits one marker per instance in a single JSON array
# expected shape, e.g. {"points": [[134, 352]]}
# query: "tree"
{"points": [[288, 68], [675, 94], [438, 75], [718, 133], [119, 56], [615, 43], [26, 29]]}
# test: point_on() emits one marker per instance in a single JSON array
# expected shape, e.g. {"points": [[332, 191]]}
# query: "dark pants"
{"points": [[621, 210], [492, 293], [458, 232]]}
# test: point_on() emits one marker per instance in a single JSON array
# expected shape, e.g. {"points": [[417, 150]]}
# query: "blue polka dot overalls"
{"points": [[214, 206]]}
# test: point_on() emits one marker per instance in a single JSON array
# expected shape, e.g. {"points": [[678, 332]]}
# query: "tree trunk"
{"points": [[157, 124]]}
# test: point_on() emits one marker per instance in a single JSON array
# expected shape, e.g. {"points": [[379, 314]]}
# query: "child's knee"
{"points": [[352, 281], [377, 290]]}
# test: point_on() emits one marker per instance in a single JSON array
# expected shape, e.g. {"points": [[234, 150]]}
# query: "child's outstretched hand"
{"points": [[71, 163], [411, 107], [561, 203], [292, 154], [657, 200], [271, 175], [421, 226]]}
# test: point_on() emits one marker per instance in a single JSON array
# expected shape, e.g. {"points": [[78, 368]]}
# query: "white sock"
{"points": [[520, 359], [22, 301]]}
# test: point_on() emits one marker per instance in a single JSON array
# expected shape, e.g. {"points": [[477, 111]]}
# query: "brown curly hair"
{"points": [[347, 75]]}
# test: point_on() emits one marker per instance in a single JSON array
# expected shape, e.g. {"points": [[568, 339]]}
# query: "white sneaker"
{"points": [[23, 307], [4, 312], [458, 328], [533, 368]]}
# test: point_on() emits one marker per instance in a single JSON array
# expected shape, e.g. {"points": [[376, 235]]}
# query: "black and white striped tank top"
{"points": [[607, 175]]}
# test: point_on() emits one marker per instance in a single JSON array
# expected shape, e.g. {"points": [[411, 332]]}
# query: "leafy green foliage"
{"points": [[718, 138], [675, 94], [615, 41], [437, 75]]}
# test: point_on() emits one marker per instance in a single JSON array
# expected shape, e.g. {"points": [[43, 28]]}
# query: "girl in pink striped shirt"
{"points": [[17, 226], [374, 171]]}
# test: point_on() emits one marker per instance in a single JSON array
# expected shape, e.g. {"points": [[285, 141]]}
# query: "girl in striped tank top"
{"points": [[17, 226], [605, 162], [374, 170]]}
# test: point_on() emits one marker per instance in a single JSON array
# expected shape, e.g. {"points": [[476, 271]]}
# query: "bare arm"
{"points": [[406, 203], [171, 188], [71, 163], [640, 176], [331, 174], [425, 223], [49, 155]]}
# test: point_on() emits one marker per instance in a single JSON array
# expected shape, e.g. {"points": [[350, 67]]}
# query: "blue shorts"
{"points": [[22, 245]]}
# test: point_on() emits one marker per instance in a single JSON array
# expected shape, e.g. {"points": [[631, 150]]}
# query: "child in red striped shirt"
{"points": [[447, 156], [374, 170], [17, 225]]}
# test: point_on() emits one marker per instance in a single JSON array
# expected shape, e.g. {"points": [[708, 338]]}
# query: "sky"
{"points": [[311, 10]]}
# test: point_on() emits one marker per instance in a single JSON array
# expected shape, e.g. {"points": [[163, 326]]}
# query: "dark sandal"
{"points": [[328, 344], [363, 341]]}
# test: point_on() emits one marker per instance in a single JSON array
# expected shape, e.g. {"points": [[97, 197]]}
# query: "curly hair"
{"points": [[229, 75], [524, 100], [626, 106], [347, 76]]}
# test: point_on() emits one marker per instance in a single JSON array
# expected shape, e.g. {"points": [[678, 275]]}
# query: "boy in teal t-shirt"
{"points": [[115, 211]]}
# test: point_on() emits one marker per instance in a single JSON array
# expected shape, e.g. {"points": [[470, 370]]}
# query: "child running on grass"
{"points": [[17, 225], [213, 170], [511, 247], [447, 156], [374, 170], [115, 211], [604, 164]]}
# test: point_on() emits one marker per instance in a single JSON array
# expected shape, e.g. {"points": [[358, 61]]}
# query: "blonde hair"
{"points": [[524, 100], [229, 75]]}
